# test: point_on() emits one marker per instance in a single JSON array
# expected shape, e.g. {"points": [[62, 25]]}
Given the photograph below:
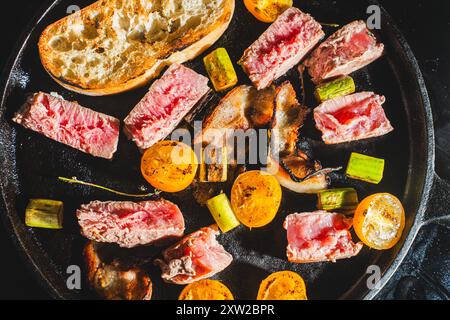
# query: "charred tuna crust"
{"points": [[197, 256], [130, 224], [167, 102], [282, 46], [349, 49], [69, 123]]}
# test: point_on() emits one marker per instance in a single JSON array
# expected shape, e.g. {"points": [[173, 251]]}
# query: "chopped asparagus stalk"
{"points": [[43, 213], [345, 199], [213, 167], [365, 168], [336, 88], [220, 69], [220, 208]]}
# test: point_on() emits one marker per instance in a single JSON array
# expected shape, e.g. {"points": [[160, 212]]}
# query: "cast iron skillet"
{"points": [[31, 163]]}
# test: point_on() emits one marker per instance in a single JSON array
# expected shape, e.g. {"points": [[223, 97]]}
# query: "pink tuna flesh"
{"points": [[167, 102], [282, 46], [346, 51], [71, 124], [130, 224], [354, 117], [319, 236]]}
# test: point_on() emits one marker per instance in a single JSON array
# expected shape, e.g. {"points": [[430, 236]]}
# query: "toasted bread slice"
{"points": [[113, 46]]}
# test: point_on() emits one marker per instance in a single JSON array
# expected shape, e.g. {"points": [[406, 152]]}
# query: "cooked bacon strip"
{"points": [[197, 256], [289, 117], [355, 117], [349, 49], [286, 160], [281, 47], [67, 122], [230, 114], [130, 224], [319, 236], [167, 102]]}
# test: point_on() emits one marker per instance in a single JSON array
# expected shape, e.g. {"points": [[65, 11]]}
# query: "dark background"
{"points": [[426, 26]]}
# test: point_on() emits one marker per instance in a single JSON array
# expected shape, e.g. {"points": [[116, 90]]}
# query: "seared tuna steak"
{"points": [[281, 47], [319, 236], [346, 51], [167, 102], [197, 256], [69, 123], [354, 117], [130, 224]]}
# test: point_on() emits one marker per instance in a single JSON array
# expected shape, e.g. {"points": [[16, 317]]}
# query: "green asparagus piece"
{"points": [[220, 208], [345, 199], [43, 213], [336, 88], [365, 168], [220, 69]]}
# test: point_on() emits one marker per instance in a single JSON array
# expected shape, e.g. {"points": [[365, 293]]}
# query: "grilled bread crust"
{"points": [[113, 46]]}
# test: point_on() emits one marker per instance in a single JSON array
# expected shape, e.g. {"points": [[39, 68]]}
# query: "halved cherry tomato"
{"points": [[267, 10], [255, 198], [283, 285], [206, 290], [169, 166], [379, 221]]}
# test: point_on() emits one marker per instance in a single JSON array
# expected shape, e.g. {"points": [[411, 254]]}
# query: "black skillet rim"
{"points": [[430, 174], [428, 179]]}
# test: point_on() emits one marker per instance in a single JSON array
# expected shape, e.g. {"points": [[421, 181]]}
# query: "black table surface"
{"points": [[426, 26]]}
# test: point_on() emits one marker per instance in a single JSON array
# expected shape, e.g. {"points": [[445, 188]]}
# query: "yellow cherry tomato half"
{"points": [[267, 10], [283, 285], [255, 198], [169, 166], [379, 221], [206, 290]]}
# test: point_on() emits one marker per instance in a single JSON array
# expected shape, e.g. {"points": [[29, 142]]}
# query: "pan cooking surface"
{"points": [[32, 164]]}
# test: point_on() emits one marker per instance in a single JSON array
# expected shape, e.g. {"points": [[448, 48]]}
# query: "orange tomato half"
{"points": [[169, 166], [206, 290], [256, 198], [379, 221], [283, 285], [267, 10]]}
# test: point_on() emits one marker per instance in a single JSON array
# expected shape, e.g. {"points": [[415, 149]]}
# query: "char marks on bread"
{"points": [[114, 46]]}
